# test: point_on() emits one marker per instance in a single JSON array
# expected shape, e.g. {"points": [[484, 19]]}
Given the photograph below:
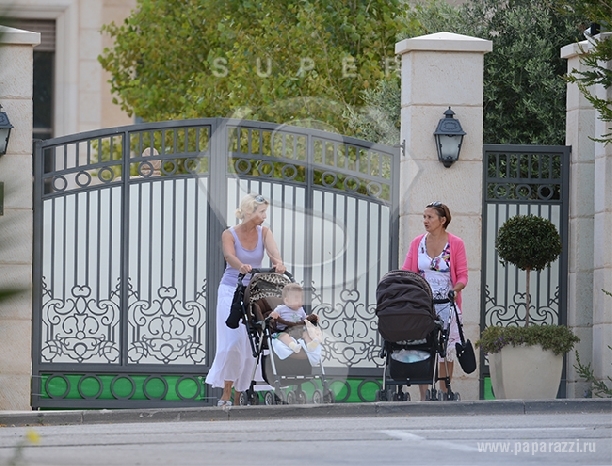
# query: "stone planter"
{"points": [[525, 373]]}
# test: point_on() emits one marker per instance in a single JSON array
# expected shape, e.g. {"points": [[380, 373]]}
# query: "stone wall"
{"points": [[16, 223], [441, 70], [590, 253]]}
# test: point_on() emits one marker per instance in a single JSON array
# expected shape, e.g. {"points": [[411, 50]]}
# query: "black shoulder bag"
{"points": [[464, 349]]}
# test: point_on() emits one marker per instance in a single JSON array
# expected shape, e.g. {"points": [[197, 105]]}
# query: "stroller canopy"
{"points": [[404, 306], [265, 285]]}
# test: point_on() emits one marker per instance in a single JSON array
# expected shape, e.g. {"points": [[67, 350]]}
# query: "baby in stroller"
{"points": [[292, 324]]}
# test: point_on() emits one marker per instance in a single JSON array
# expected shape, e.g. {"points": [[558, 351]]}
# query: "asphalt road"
{"points": [[571, 438]]}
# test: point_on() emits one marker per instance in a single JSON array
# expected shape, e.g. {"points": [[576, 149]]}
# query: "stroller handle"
{"points": [[267, 270]]}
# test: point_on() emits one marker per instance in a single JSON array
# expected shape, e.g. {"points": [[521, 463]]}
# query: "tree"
{"points": [[529, 243], [524, 90], [524, 94], [598, 58], [379, 119], [274, 60]]}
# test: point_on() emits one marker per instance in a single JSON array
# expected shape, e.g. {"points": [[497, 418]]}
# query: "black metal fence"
{"points": [[127, 254], [523, 179]]}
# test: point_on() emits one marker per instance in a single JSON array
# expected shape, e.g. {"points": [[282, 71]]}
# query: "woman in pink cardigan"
{"points": [[440, 258]]}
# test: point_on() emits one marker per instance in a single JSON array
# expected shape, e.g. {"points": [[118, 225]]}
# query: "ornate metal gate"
{"points": [[523, 179], [127, 255]]}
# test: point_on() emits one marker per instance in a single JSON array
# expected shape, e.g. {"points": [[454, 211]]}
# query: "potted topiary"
{"points": [[526, 362]]}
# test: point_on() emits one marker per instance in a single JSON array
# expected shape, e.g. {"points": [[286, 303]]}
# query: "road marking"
{"points": [[403, 435], [500, 429]]}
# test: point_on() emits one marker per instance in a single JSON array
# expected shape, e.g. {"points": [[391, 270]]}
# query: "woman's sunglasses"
{"points": [[260, 199], [435, 204]]}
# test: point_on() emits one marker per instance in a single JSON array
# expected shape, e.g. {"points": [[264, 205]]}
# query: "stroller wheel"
{"points": [[406, 396], [291, 397], [381, 395], [300, 397], [269, 398], [317, 397], [454, 396], [280, 398], [328, 397], [428, 396]]}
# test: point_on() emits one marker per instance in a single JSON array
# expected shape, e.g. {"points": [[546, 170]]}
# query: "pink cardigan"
{"points": [[458, 262]]}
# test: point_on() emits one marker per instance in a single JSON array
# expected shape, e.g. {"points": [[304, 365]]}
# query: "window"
{"points": [[43, 73]]}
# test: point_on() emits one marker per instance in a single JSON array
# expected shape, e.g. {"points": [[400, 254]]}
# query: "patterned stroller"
{"points": [[413, 336], [258, 300]]}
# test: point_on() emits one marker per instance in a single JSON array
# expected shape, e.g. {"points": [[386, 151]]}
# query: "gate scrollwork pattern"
{"points": [[513, 314], [349, 328], [80, 328], [166, 329]]}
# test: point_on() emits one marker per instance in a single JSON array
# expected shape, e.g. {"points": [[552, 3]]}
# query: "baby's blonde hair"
{"points": [[249, 204], [292, 288]]}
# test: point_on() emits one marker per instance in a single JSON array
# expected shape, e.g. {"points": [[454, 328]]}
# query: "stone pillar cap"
{"points": [[14, 36], [583, 47], [444, 42]]}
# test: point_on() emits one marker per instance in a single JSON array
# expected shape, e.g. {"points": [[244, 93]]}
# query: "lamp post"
{"points": [[449, 137], [5, 131]]}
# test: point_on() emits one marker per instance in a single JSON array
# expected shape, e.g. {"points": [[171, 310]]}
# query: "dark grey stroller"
{"points": [[413, 337]]}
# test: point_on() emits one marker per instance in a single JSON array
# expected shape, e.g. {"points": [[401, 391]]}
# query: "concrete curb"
{"points": [[378, 409]]}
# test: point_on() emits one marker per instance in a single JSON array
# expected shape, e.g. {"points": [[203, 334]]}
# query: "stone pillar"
{"points": [[580, 128], [16, 224], [590, 267], [441, 70], [602, 238]]}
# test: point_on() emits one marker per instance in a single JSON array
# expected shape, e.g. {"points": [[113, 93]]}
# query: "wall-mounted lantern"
{"points": [[449, 137], [5, 131]]}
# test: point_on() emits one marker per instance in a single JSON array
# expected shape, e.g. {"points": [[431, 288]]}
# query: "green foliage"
{"points": [[273, 60], [596, 73], [556, 338], [379, 120], [599, 54], [528, 242], [599, 388], [524, 91]]}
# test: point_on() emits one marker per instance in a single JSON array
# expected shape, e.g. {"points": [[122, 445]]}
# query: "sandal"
{"points": [[224, 403]]}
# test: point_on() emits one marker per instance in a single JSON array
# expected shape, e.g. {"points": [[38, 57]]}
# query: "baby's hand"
{"points": [[274, 315]]}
